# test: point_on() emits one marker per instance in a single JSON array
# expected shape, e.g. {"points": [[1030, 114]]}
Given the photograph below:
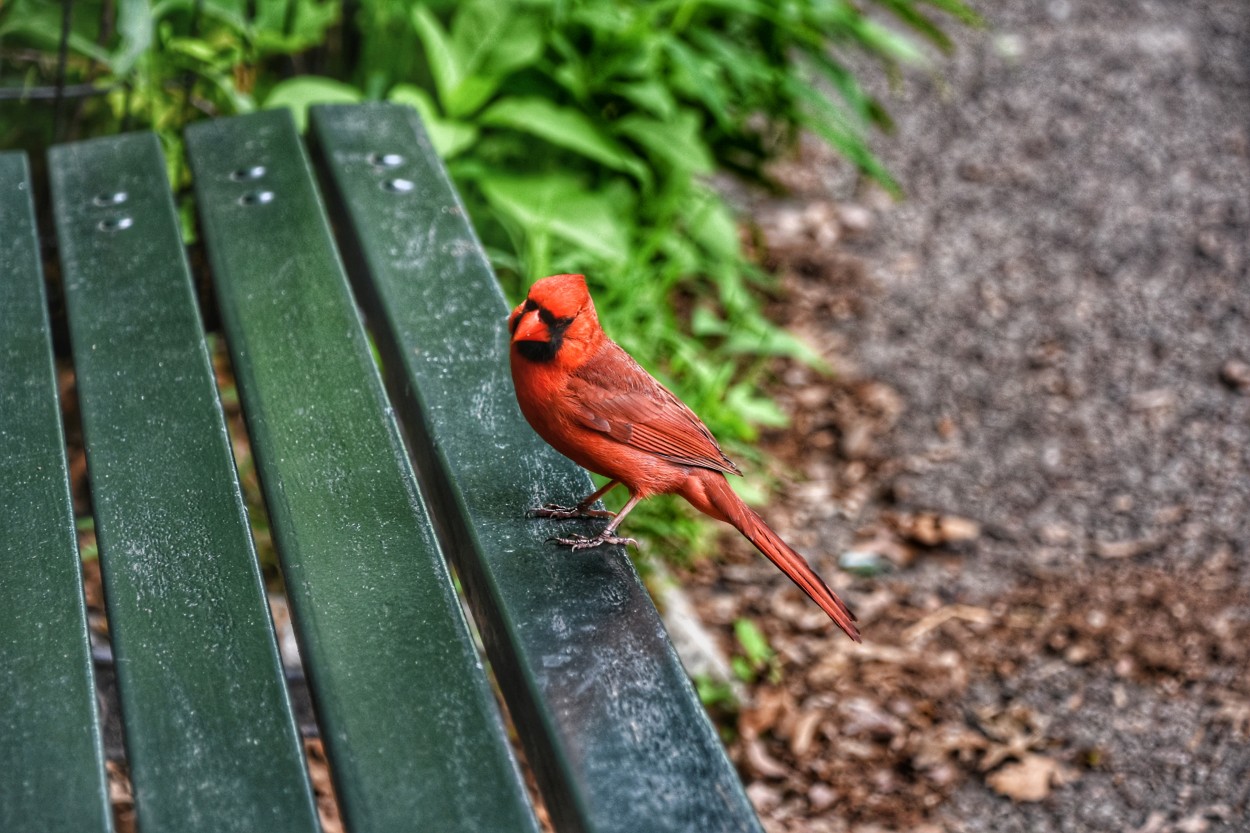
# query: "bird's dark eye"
{"points": [[557, 326]]}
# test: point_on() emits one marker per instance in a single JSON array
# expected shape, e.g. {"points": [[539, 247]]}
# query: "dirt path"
{"points": [[1051, 337]]}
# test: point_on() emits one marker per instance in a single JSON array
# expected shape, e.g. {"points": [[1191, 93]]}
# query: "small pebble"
{"points": [[1236, 374], [863, 563]]}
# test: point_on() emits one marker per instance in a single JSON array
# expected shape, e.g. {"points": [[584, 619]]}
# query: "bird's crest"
{"points": [[564, 296]]}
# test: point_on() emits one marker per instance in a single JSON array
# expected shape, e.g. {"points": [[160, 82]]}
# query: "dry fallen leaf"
{"points": [[966, 613], [1029, 779], [121, 796], [933, 530], [1125, 549], [805, 732], [760, 762], [319, 774]]}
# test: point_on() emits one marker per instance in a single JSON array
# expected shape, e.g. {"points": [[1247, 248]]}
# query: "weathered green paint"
{"points": [[609, 718], [209, 733], [50, 752], [414, 737]]}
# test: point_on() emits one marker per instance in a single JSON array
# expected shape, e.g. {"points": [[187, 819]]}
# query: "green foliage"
{"points": [[714, 694], [582, 133], [756, 658], [159, 64]]}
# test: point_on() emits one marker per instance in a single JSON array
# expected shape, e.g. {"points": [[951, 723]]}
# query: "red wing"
{"points": [[618, 398]]}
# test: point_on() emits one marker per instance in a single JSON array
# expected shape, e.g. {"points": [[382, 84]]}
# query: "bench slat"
{"points": [[414, 737], [210, 737], [50, 748], [611, 722]]}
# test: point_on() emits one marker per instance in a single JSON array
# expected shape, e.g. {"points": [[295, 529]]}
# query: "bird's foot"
{"points": [[564, 513], [579, 542]]}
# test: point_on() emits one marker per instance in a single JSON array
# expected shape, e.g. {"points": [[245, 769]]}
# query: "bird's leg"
{"points": [[581, 510], [608, 536]]}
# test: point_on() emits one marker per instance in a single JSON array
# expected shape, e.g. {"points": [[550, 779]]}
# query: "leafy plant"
{"points": [[152, 64]]}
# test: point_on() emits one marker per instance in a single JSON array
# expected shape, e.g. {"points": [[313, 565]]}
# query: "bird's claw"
{"points": [[579, 542], [564, 513]]}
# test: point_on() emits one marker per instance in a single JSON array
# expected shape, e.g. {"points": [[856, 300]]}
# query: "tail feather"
{"points": [[715, 497]]}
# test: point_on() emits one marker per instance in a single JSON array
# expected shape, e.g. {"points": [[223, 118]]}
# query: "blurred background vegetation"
{"points": [[582, 134]]}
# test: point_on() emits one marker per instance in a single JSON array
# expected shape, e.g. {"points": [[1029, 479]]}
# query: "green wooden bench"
{"points": [[365, 524]]}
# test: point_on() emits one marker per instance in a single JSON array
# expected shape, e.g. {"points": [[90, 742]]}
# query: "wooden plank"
{"points": [[50, 747], [413, 734], [609, 718], [209, 733]]}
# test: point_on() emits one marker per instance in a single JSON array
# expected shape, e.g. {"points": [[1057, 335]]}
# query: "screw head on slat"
{"points": [[256, 198], [251, 172], [385, 160], [113, 198], [399, 186], [115, 223]]}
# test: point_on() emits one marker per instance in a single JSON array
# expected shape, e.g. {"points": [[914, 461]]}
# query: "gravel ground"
{"points": [[1066, 283], [1065, 306], [1050, 337]]}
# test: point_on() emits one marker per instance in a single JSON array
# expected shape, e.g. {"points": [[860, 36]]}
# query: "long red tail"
{"points": [[710, 493]]}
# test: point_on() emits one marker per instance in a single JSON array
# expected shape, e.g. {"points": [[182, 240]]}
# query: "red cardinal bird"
{"points": [[594, 404]]}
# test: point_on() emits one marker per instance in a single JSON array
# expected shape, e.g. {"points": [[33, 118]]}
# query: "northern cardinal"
{"points": [[594, 404]]}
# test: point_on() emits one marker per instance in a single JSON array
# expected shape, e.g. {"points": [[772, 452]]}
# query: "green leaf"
{"points": [[704, 322], [756, 409], [476, 30], [449, 137], [962, 11], [699, 79], [41, 26], [488, 41], [675, 140], [754, 644], [561, 205], [134, 26], [303, 91], [742, 669], [650, 94], [522, 47], [827, 120], [564, 127], [439, 54], [770, 340], [193, 48], [713, 693], [887, 43], [907, 12], [489, 38], [848, 86], [712, 226], [470, 95], [310, 21]]}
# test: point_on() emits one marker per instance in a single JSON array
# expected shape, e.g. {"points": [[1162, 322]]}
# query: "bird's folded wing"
{"points": [[616, 397]]}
